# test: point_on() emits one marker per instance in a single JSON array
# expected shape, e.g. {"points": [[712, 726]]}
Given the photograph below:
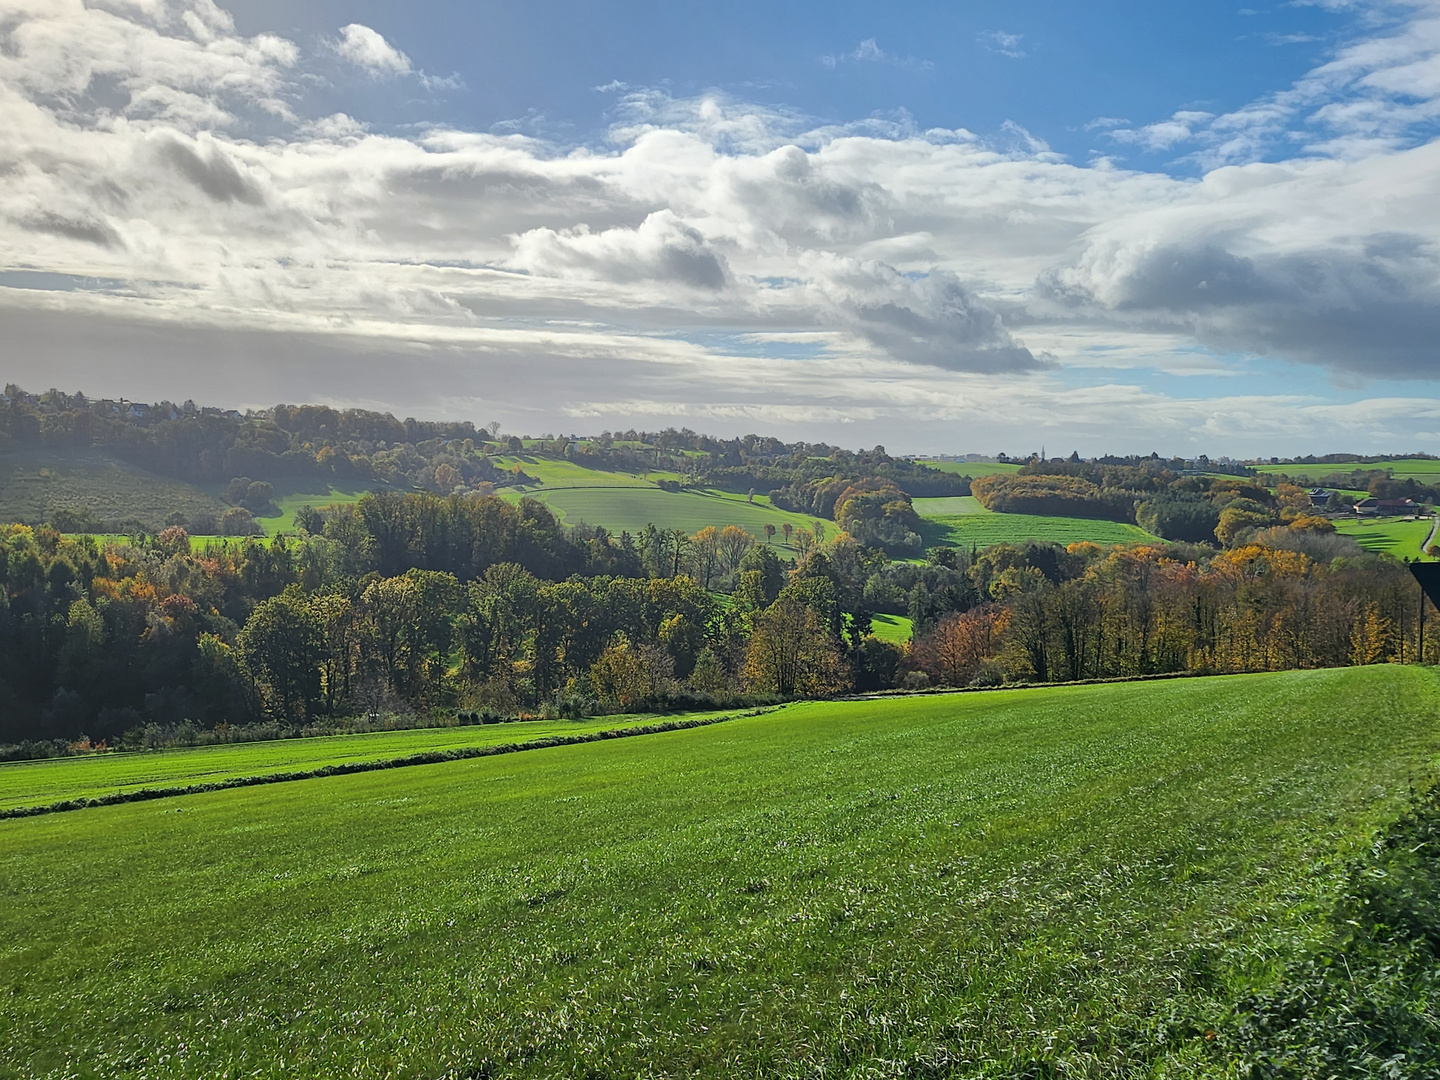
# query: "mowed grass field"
{"points": [[963, 522], [41, 783], [1402, 539], [1423, 470], [1038, 882]]}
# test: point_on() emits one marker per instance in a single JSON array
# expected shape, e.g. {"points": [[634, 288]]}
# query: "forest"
{"points": [[425, 608]]}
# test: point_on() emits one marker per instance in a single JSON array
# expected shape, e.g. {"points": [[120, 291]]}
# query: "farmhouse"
{"points": [[1319, 498], [1373, 507]]}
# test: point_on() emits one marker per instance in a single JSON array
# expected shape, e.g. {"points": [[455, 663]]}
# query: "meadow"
{"points": [[1038, 882], [291, 495], [623, 501], [896, 628], [963, 522], [52, 780], [1423, 470], [1392, 536], [974, 469]]}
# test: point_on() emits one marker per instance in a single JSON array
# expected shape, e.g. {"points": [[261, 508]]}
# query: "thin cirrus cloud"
{"points": [[1006, 44], [707, 259], [869, 52]]}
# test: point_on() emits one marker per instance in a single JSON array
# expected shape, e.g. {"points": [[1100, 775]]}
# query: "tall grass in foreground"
{"points": [[1044, 882]]}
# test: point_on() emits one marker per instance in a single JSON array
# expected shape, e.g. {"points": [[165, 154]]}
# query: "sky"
{"points": [[944, 228]]}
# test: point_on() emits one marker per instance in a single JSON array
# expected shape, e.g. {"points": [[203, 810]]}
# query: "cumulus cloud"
{"points": [[368, 50], [706, 258], [662, 249]]}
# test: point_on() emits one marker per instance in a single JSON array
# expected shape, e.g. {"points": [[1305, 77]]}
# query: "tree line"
{"points": [[418, 606]]}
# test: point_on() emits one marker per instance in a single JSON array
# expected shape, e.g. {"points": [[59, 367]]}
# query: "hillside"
{"points": [[1037, 880], [38, 485]]}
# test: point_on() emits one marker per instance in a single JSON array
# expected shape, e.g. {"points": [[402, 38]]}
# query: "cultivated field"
{"points": [[963, 522], [1044, 882]]}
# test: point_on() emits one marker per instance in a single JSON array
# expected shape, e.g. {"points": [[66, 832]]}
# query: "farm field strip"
{"points": [[949, 507], [632, 508], [1044, 880], [986, 528], [1424, 470], [53, 780], [974, 469]]}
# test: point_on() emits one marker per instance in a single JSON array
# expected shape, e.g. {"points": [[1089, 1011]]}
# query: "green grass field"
{"points": [[1043, 882], [1423, 470], [632, 507], [35, 484], [963, 522], [975, 469], [1402, 539], [896, 628], [40, 783], [291, 495]]}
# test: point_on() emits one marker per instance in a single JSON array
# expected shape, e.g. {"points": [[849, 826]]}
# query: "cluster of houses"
{"points": [[1321, 499]]}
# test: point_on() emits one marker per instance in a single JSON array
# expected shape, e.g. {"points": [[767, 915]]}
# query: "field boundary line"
{"points": [[425, 757]]}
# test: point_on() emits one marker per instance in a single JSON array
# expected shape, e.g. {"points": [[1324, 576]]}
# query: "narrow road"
{"points": [[1425, 547]]}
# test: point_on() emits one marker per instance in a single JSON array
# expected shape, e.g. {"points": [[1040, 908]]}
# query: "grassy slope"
{"points": [[1402, 539], [291, 495], [896, 628], [39, 783], [963, 522], [33, 485], [626, 501], [1039, 882]]}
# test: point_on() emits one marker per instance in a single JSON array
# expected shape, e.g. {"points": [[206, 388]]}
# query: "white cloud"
{"points": [[919, 285], [868, 51], [367, 49], [998, 41]]}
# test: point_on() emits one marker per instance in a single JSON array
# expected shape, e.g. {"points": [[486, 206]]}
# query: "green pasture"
{"points": [[963, 522], [40, 783], [949, 507], [552, 472], [1423, 470], [633, 507], [975, 469], [1391, 536], [896, 628], [1040, 882], [291, 495]]}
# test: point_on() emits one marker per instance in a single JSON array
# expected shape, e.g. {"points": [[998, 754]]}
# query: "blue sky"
{"points": [[944, 227], [1053, 68]]}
